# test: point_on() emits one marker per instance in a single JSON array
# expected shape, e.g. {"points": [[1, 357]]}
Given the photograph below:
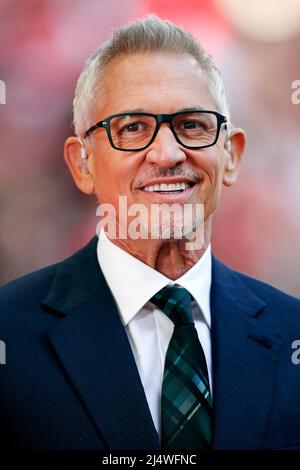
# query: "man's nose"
{"points": [[165, 151]]}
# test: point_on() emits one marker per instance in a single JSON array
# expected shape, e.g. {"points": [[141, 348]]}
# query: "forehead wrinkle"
{"points": [[124, 90], [131, 99]]}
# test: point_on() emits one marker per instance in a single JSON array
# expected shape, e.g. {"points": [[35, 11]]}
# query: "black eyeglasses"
{"points": [[136, 131]]}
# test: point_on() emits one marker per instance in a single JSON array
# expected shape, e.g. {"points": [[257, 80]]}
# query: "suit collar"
{"points": [[245, 354], [234, 291], [76, 280]]}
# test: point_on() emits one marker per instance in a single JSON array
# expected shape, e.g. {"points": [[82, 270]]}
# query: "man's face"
{"points": [[155, 83]]}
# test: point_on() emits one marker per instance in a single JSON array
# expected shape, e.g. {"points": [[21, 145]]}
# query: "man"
{"points": [[149, 342]]}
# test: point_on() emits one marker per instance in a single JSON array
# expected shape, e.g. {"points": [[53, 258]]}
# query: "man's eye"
{"points": [[191, 125], [133, 127]]}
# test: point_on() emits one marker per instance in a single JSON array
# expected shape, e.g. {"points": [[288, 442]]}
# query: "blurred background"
{"points": [[43, 46]]}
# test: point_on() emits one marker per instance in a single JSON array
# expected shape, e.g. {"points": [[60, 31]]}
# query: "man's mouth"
{"points": [[168, 188]]}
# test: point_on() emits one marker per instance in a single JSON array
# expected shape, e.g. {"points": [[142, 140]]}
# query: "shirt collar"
{"points": [[133, 282]]}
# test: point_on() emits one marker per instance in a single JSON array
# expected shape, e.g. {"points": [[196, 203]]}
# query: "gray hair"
{"points": [[151, 35]]}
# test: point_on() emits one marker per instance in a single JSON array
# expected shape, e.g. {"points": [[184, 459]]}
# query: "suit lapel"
{"points": [[245, 353], [94, 350]]}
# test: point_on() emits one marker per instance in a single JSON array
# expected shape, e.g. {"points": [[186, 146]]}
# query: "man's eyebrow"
{"points": [[141, 110], [194, 108], [135, 110]]}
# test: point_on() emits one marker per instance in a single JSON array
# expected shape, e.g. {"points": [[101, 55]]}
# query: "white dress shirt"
{"points": [[149, 330]]}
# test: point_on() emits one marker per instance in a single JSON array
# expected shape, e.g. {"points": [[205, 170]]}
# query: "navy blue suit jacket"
{"points": [[70, 380]]}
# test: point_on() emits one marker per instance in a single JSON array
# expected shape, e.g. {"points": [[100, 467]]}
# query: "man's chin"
{"points": [[173, 232]]}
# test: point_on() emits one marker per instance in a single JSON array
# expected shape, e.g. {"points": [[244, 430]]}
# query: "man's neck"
{"points": [[172, 258]]}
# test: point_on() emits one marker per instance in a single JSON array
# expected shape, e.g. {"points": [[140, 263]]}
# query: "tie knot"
{"points": [[175, 302]]}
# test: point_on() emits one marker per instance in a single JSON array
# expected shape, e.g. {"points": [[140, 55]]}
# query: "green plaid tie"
{"points": [[186, 406]]}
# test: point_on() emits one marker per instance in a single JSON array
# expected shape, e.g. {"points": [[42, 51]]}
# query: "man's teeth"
{"points": [[167, 187]]}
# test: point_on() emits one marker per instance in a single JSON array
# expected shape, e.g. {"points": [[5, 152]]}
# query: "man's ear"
{"points": [[77, 160], [234, 154]]}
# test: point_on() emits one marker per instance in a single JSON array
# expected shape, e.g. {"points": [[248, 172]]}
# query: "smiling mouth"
{"points": [[168, 188]]}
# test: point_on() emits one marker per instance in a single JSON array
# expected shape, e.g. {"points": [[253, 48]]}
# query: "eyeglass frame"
{"points": [[160, 119]]}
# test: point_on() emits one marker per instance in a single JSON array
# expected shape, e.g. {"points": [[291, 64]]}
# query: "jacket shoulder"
{"points": [[30, 289], [26, 288], [277, 301], [270, 292]]}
